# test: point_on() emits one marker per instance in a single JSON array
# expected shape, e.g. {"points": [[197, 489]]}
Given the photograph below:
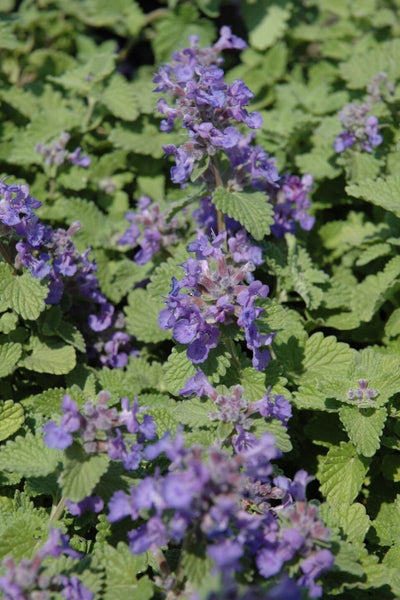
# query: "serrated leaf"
{"points": [[29, 456], [392, 326], [266, 23], [50, 357], [275, 427], [142, 317], [81, 472], [11, 418], [341, 474], [142, 138], [361, 67], [121, 569], [174, 30], [323, 355], [177, 370], [364, 427], [22, 293], [380, 192], [387, 523], [253, 383], [47, 403], [353, 520], [8, 322], [193, 412], [372, 253], [9, 356], [20, 538], [81, 78], [251, 209], [118, 98]]}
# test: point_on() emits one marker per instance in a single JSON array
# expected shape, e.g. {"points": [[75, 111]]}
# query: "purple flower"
{"points": [[91, 503], [361, 130], [226, 555], [78, 159], [312, 568], [56, 437]]}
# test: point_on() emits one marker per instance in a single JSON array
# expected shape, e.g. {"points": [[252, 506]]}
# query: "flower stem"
{"points": [[57, 510], [218, 183]]}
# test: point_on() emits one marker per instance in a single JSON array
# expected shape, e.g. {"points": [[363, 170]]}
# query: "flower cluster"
{"points": [[149, 229], [209, 108], [234, 505], [98, 428], [204, 103], [50, 253], [291, 203], [360, 129], [234, 408], [217, 294], [363, 394], [56, 154], [28, 580]]}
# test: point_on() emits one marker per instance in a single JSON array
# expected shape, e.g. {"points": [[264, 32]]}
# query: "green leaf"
{"points": [[251, 209], [50, 357], [275, 427], [266, 23], [392, 326], [362, 66], [83, 77], [20, 538], [380, 192], [11, 418], [177, 370], [353, 520], [174, 29], [372, 253], [142, 317], [121, 570], [387, 523], [81, 472], [196, 563], [141, 138], [29, 456], [303, 275], [324, 355], [9, 356], [22, 293], [8, 322], [341, 474], [194, 412], [118, 97], [364, 427], [253, 383]]}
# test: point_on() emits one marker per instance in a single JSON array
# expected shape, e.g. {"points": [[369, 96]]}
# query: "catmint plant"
{"points": [[150, 230], [28, 580], [214, 113], [217, 293], [233, 505], [98, 429]]}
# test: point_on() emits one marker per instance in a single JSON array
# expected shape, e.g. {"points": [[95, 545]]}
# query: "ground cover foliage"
{"points": [[199, 299]]}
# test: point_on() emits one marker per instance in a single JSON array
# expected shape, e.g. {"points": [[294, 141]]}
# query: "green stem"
{"points": [[89, 113], [218, 183], [57, 510]]}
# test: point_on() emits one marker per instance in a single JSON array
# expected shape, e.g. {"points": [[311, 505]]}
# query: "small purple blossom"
{"points": [[364, 394], [360, 129], [217, 293], [150, 230]]}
